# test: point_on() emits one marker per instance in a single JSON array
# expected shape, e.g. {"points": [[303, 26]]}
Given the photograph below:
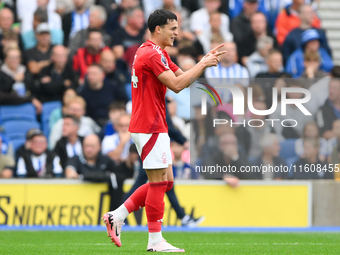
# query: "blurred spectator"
{"points": [[178, 122], [66, 6], [248, 43], [116, 109], [228, 66], [87, 126], [292, 112], [260, 128], [289, 18], [39, 161], [99, 93], [27, 145], [9, 39], [176, 7], [310, 43], [275, 65], [116, 17], [215, 31], [256, 62], [39, 57], [312, 72], [57, 113], [25, 7], [28, 37], [321, 89], [183, 99], [228, 155], [90, 54], [96, 167], [115, 71], [97, 18], [181, 169], [117, 146], [14, 75], [130, 36], [70, 144], [150, 6], [270, 151], [268, 84], [6, 20], [293, 39], [76, 20], [53, 19], [330, 111], [199, 20], [108, 5], [9, 4], [12, 90], [7, 164], [306, 167], [236, 6], [210, 144], [191, 5], [56, 78], [240, 26], [311, 131]]}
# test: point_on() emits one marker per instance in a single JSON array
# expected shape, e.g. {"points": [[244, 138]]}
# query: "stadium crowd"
{"points": [[67, 64]]}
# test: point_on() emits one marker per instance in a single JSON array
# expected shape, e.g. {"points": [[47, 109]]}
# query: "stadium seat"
{"points": [[18, 112], [288, 149], [17, 129], [17, 143], [45, 115]]}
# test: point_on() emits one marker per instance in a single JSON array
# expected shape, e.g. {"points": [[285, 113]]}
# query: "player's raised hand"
{"points": [[212, 59], [214, 50]]}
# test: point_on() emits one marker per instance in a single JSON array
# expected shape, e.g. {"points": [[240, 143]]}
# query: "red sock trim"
{"points": [[130, 205], [155, 184], [154, 227]]}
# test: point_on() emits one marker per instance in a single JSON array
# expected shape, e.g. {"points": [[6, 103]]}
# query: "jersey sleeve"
{"points": [[158, 64], [172, 65]]}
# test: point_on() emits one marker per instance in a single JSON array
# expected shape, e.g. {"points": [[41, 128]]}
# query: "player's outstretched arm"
{"points": [[176, 84]]}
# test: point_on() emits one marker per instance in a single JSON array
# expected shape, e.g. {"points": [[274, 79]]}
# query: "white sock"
{"points": [[121, 213], [155, 238]]}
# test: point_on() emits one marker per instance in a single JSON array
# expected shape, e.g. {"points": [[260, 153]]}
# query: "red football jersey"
{"points": [[148, 93]]}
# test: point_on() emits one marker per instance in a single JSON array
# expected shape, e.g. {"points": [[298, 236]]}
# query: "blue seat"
{"points": [[288, 149], [17, 143], [48, 108], [18, 112], [17, 129]]}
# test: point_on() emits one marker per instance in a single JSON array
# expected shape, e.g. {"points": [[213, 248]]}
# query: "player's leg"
{"points": [[186, 219], [154, 203], [160, 182]]}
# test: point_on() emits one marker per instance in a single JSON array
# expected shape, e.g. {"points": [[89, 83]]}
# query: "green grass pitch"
{"points": [[93, 242]]}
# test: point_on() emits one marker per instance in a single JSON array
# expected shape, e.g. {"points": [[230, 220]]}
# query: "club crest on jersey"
{"points": [[165, 61]]}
